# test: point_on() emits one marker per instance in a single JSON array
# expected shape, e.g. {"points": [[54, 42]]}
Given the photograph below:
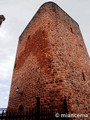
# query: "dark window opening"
{"points": [[81, 45], [65, 107], [83, 76], [71, 30], [21, 108], [77, 101], [29, 37]]}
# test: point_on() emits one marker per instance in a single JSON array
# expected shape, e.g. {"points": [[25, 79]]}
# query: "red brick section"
{"points": [[51, 62]]}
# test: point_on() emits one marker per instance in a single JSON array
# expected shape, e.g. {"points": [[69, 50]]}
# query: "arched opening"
{"points": [[21, 108], [71, 30]]}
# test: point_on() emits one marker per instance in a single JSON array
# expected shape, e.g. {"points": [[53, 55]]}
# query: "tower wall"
{"points": [[51, 63]]}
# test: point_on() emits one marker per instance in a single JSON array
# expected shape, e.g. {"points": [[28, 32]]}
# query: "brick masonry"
{"points": [[51, 62]]}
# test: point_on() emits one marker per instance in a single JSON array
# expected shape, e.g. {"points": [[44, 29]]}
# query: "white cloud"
{"points": [[2, 33], [4, 93], [6, 98], [6, 68], [3, 86]]}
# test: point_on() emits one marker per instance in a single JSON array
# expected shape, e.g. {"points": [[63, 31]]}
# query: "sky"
{"points": [[18, 14]]}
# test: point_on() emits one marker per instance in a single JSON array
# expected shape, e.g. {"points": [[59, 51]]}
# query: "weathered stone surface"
{"points": [[51, 62]]}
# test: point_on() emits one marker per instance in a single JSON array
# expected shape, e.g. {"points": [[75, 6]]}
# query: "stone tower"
{"points": [[52, 63]]}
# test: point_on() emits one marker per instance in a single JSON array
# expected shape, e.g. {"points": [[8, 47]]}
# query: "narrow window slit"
{"points": [[29, 37], [83, 76], [65, 106], [71, 30]]}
